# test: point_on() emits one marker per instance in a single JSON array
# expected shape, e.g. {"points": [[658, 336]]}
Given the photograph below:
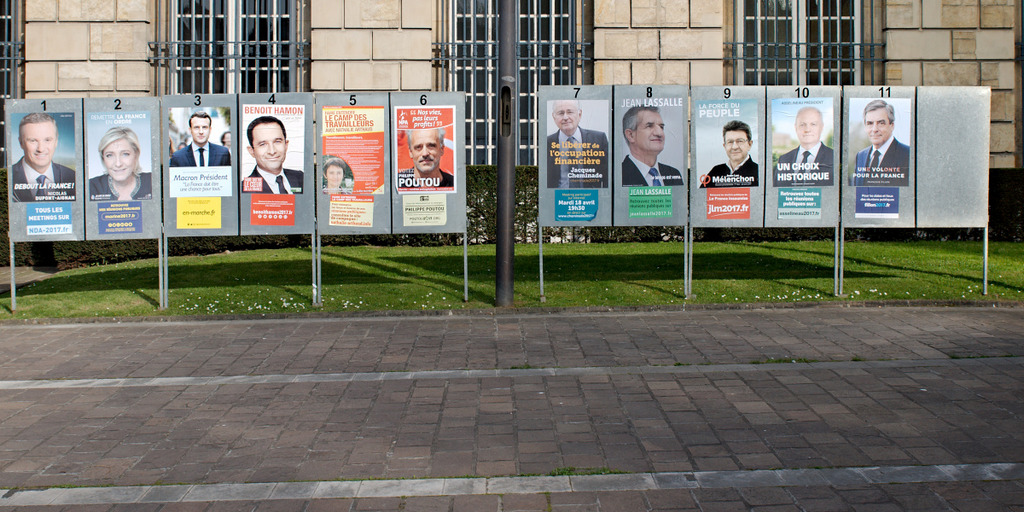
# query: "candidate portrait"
{"points": [[268, 145], [200, 152], [811, 162], [739, 170], [35, 176], [577, 157], [644, 131]]}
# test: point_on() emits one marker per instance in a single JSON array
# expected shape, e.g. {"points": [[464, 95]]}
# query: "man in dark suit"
{"points": [[582, 159], [740, 170], [885, 155], [201, 152], [268, 144], [35, 176], [645, 134], [811, 162]]}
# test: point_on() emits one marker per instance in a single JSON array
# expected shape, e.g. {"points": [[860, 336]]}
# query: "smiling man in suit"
{"points": [[811, 162], [268, 144], [201, 152], [36, 177], [644, 131]]}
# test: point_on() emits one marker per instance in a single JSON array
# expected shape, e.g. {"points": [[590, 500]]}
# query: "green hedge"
{"points": [[1006, 206]]}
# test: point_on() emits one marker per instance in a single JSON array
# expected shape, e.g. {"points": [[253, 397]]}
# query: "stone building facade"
{"points": [[102, 47]]}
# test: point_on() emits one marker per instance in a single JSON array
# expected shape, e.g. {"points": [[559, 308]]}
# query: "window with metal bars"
{"points": [[805, 42], [233, 46], [10, 50], [551, 52]]}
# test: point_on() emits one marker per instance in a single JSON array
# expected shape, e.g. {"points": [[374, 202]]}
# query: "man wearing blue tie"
{"points": [[201, 152], [644, 131]]}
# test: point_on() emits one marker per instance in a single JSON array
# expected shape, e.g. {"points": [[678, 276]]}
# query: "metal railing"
{"points": [[231, 66], [805, 63]]}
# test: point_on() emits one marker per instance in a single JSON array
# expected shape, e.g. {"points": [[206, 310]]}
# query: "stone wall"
{"points": [[83, 48], [372, 45], [658, 42], [959, 42]]}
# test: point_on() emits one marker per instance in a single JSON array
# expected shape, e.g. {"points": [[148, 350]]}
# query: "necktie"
{"points": [[656, 181], [280, 185], [40, 191], [202, 161], [875, 159], [807, 155]]}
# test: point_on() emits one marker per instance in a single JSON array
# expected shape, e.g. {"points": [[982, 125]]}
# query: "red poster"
{"points": [[272, 210], [353, 149], [728, 203], [424, 149]]}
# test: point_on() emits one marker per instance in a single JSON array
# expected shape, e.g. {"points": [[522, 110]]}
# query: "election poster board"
{"points": [[354, 166], [878, 179], [200, 188], [728, 165], [275, 177], [44, 169], [802, 189], [575, 155], [651, 138], [953, 125], [123, 181], [428, 164]]}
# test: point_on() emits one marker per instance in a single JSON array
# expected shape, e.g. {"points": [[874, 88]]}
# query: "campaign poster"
{"points": [[725, 134], [649, 202], [879, 142], [44, 158], [351, 210], [576, 205], [198, 180], [803, 138], [119, 217], [577, 148], [424, 150], [50, 218], [799, 202], [424, 210], [353, 150], [274, 146], [652, 134], [118, 164]]}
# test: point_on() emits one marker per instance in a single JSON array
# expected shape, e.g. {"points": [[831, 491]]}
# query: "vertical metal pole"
{"points": [[835, 261], [984, 271], [314, 239], [508, 149], [540, 249], [160, 268], [842, 258], [689, 261], [14, 283], [165, 301], [465, 266]]}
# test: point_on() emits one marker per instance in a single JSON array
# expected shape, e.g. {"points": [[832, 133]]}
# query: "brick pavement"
{"points": [[325, 399]]}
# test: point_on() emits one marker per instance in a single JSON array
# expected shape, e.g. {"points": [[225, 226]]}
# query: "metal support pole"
{"points": [[540, 248], [465, 266], [160, 269], [508, 148], [842, 259], [14, 283], [165, 301], [315, 266], [835, 261], [984, 271], [688, 285]]}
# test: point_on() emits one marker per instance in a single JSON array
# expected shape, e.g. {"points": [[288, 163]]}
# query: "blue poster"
{"points": [[120, 217], [878, 203], [576, 205], [48, 218]]}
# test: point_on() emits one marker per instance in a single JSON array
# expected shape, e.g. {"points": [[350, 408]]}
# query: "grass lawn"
{"points": [[417, 278]]}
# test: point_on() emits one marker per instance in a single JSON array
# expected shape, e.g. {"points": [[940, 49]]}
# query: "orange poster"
{"points": [[353, 150]]}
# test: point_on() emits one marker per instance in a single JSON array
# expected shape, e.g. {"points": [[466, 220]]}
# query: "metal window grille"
{"points": [[805, 42], [551, 51], [10, 50], [233, 46]]}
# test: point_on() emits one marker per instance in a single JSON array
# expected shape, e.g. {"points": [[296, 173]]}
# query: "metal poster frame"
{"points": [[68, 112], [417, 208]]}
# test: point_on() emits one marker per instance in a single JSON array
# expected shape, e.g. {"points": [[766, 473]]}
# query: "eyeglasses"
{"points": [[736, 142]]}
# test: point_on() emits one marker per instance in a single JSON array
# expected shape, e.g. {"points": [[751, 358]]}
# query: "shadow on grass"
{"points": [[132, 280]]}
